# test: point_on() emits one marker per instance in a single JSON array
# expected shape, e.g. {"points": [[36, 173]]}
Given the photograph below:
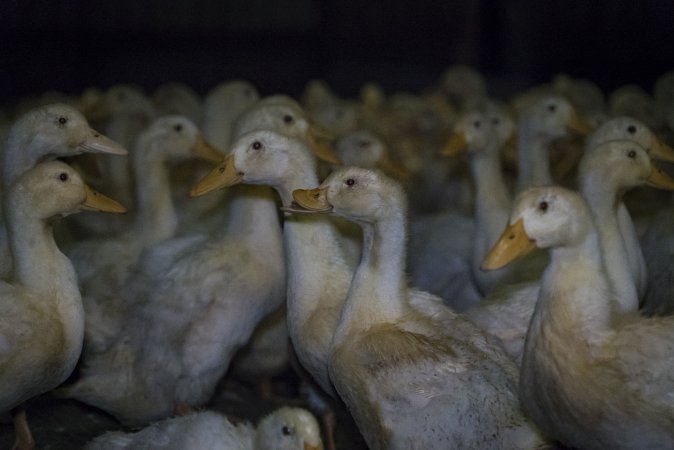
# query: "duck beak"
{"points": [[204, 150], [97, 143], [659, 179], [223, 175], [312, 200], [95, 201], [308, 446], [578, 125], [318, 137], [512, 244], [393, 168], [456, 144], [661, 151]]}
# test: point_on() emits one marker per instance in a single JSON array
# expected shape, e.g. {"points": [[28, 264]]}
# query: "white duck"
{"points": [[318, 274], [591, 377], [284, 429], [103, 263], [196, 302], [44, 133], [124, 111], [178, 99], [42, 319], [547, 119], [605, 174], [410, 379]]}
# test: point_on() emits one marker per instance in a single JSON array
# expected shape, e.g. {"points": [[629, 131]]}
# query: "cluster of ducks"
{"points": [[244, 263]]}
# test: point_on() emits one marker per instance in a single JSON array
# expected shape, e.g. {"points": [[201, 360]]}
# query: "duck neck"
{"points": [[378, 289], [41, 268], [318, 276], [254, 214], [575, 301], [604, 201], [492, 201], [156, 218], [533, 159]]}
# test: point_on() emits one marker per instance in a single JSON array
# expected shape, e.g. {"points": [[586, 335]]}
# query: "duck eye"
{"points": [[288, 119], [632, 154], [543, 206], [63, 176], [631, 129], [256, 145], [350, 182], [477, 124], [63, 120], [364, 144], [286, 430], [552, 108], [178, 127]]}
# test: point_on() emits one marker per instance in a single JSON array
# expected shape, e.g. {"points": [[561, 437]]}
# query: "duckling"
{"points": [[44, 133], [591, 377], [42, 321], [410, 379], [284, 429]]}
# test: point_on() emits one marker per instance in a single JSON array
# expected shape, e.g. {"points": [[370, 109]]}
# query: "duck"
{"points": [[628, 128], [284, 429], [178, 99], [409, 378], [592, 377], [42, 323], [318, 270], [123, 111], [196, 301], [364, 148], [103, 263], [606, 173], [43, 133], [548, 118]]}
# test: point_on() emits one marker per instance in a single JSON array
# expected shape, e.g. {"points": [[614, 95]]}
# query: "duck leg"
{"points": [[23, 437]]}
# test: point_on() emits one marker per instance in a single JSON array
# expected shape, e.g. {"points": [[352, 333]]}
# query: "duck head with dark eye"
{"points": [[552, 107], [631, 129], [257, 145], [632, 154], [350, 182], [287, 431], [288, 119], [543, 206], [62, 120], [63, 177], [178, 127]]}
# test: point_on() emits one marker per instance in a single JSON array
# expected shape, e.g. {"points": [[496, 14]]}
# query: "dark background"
{"points": [[279, 45]]}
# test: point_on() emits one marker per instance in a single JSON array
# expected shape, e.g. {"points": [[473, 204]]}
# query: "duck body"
{"points": [[591, 376], [284, 429], [42, 325], [411, 375], [194, 313]]}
